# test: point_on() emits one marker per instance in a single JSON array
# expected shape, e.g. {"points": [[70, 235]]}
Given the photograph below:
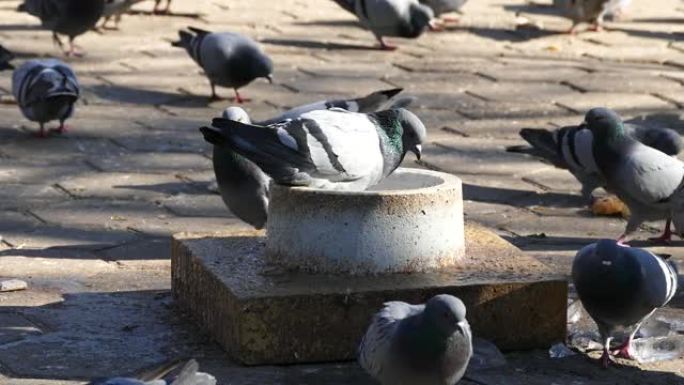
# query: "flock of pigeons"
{"points": [[352, 144]]}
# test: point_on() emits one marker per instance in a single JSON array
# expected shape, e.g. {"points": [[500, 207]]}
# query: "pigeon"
{"points": [[398, 18], [188, 375], [45, 90], [648, 181], [428, 344], [116, 8], [5, 57], [620, 287], [166, 9], [440, 7], [583, 11], [244, 188], [569, 148], [616, 9], [228, 59], [66, 17], [327, 149]]}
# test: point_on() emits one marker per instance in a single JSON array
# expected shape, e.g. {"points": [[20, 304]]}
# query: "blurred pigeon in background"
{"points": [[330, 149], [620, 287], [583, 11], [441, 7], [166, 9], [45, 90], [66, 17], [394, 18], [228, 59], [6, 56], [116, 8], [648, 181], [188, 375], [428, 344], [570, 148]]}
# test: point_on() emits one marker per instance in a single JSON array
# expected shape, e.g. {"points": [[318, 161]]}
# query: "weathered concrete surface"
{"points": [[92, 211], [263, 314]]}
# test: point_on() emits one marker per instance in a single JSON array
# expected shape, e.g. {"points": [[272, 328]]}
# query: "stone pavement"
{"points": [[86, 217]]}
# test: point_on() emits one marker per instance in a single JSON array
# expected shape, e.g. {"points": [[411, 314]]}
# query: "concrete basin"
{"points": [[411, 222]]}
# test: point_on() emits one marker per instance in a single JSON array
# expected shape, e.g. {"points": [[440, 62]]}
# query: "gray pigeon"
{"points": [[329, 149], [395, 18], [648, 181], [115, 9], [428, 344], [188, 375], [440, 7], [166, 9], [5, 57], [583, 11], [45, 90], [65, 17], [228, 59], [569, 148], [620, 287], [243, 186]]}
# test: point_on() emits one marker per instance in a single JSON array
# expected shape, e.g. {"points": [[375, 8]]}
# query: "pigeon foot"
{"points": [[623, 351], [606, 359], [666, 237]]}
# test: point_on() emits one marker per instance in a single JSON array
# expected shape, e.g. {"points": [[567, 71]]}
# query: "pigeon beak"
{"points": [[461, 327], [269, 78], [418, 150]]}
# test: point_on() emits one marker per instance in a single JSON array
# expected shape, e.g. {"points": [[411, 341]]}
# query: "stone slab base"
{"points": [[263, 314]]}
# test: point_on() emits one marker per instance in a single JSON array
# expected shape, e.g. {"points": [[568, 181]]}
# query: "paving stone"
{"points": [[38, 171], [621, 102], [152, 162], [21, 196], [73, 238], [332, 85], [634, 81], [205, 205], [59, 148], [148, 187], [144, 250], [15, 327]]}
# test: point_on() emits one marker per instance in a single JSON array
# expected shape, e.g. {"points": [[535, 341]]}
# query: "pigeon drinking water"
{"points": [[329, 149], [45, 90], [228, 59], [620, 287], [428, 344], [66, 17], [243, 186], [395, 18]]}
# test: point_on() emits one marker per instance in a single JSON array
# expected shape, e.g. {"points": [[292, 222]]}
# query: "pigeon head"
{"points": [[405, 131], [414, 131], [604, 123], [421, 17], [256, 64], [446, 313], [237, 114]]}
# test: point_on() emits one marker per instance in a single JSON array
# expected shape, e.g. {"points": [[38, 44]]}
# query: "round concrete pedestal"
{"points": [[411, 222]]}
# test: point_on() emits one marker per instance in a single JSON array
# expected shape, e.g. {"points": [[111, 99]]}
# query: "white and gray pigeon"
{"points": [[391, 18], [441, 7], [228, 59], [583, 11], [244, 188], [188, 375], [6, 56], [329, 149], [45, 90], [65, 17], [115, 9], [428, 344], [620, 287], [648, 181], [569, 148]]}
